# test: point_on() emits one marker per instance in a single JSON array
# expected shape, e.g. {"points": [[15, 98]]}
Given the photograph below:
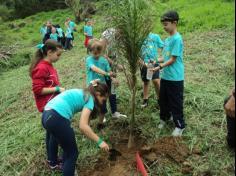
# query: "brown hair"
{"points": [[97, 46], [91, 42], [42, 53], [92, 90]]}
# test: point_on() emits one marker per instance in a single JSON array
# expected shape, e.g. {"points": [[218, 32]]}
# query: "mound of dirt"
{"points": [[169, 148], [165, 151]]}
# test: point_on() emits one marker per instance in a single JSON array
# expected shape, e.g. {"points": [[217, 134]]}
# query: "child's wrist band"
{"points": [[100, 141], [57, 89]]}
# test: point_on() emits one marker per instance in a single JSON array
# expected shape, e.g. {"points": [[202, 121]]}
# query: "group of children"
{"points": [[56, 33], [58, 106]]}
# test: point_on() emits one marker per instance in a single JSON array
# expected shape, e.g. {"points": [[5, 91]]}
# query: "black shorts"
{"points": [[143, 70], [73, 38]]}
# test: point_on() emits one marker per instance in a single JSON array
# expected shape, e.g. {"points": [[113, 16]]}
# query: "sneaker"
{"points": [[104, 120], [59, 161], [162, 124], [178, 132], [118, 115], [57, 167], [145, 104]]}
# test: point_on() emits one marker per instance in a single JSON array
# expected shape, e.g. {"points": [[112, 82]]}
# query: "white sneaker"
{"points": [[162, 124], [144, 105], [178, 132], [118, 115], [104, 120]]}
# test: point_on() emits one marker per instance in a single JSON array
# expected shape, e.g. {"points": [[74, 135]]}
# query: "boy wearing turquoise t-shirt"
{"points": [[149, 54], [172, 76]]}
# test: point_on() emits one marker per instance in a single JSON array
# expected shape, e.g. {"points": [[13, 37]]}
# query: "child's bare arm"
{"points": [[169, 62], [99, 71], [87, 131], [46, 91], [166, 64]]}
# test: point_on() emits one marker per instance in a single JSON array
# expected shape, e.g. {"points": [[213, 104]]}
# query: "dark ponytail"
{"points": [[92, 90], [42, 53]]}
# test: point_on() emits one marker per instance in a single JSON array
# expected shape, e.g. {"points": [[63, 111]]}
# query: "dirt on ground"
{"points": [[165, 151]]}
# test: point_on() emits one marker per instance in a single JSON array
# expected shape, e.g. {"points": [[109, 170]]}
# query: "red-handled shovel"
{"points": [[140, 165]]}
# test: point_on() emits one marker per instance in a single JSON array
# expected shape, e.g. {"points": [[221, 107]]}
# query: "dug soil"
{"points": [[122, 163]]}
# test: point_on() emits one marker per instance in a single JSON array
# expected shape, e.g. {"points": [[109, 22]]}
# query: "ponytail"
{"points": [[41, 53], [92, 90]]}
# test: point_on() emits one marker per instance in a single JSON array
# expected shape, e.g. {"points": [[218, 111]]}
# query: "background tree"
{"points": [[133, 20], [12, 9], [81, 8]]}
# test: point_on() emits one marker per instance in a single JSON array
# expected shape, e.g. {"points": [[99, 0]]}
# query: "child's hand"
{"points": [[62, 89], [160, 60], [142, 63], [112, 75], [115, 81], [105, 147], [156, 69]]}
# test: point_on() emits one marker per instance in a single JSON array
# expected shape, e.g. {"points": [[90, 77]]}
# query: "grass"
{"points": [[209, 60]]}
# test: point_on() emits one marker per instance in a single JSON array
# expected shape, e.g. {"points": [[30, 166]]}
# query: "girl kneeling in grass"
{"points": [[57, 120]]}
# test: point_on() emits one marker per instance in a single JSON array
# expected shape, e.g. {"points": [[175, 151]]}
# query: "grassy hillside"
{"points": [[208, 28]]}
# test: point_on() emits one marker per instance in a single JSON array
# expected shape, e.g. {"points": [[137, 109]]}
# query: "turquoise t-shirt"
{"points": [[150, 48], [173, 46], [54, 36], [88, 30], [72, 25], [60, 32], [69, 33], [101, 63], [70, 102]]}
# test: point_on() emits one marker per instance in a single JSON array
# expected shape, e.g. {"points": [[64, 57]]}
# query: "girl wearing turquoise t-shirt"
{"points": [[99, 68], [68, 42], [54, 35], [57, 120]]}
